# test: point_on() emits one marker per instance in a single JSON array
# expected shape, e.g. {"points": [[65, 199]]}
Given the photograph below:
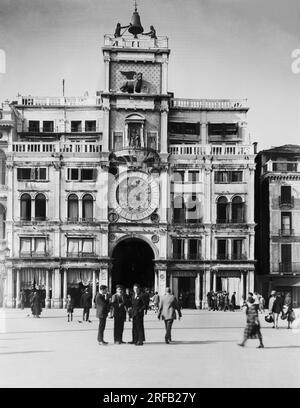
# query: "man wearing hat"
{"points": [[102, 309], [118, 302], [86, 303]]}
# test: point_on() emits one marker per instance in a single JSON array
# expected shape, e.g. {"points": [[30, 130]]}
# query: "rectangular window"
{"points": [[84, 174], [90, 126], [73, 174], [285, 167], [184, 128], [80, 246], [237, 249], [87, 246], [25, 246], [87, 174], [286, 223], [178, 248], [236, 176], [118, 140], [193, 176], [152, 140], [40, 246], [34, 126], [48, 126], [194, 248], [221, 249], [32, 246], [24, 173], [222, 129], [286, 258], [221, 177], [76, 126], [228, 176], [286, 194], [28, 173]]}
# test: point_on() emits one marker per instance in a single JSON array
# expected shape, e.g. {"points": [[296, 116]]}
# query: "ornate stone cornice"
{"points": [[279, 177]]}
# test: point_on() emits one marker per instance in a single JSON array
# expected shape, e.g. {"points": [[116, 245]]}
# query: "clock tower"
{"points": [[136, 105]]}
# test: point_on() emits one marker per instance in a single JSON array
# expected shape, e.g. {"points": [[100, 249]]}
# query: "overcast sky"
{"points": [[219, 49]]}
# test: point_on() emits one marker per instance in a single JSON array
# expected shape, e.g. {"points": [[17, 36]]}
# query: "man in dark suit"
{"points": [[233, 302], [86, 303], [118, 302], [102, 309], [138, 309], [167, 311]]}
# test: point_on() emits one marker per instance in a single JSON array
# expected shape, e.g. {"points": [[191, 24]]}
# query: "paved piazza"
{"points": [[49, 352]]}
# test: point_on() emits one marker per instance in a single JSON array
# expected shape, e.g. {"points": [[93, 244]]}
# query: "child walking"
{"points": [[70, 307]]}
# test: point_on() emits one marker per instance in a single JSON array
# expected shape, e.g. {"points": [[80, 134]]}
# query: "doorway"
{"points": [[133, 263]]}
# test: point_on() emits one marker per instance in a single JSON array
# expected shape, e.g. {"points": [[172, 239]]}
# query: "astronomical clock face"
{"points": [[135, 195]]}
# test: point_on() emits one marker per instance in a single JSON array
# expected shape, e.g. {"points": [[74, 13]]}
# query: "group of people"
{"points": [[221, 301], [136, 306], [280, 305]]}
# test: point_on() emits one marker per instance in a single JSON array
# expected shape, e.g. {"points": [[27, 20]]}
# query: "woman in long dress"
{"points": [[252, 330], [36, 305]]}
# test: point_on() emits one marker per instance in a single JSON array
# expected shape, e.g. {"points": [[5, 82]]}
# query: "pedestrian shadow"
{"points": [[27, 352], [187, 342], [282, 347]]}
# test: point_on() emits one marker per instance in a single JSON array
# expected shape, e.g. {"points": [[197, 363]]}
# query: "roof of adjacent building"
{"points": [[287, 149]]}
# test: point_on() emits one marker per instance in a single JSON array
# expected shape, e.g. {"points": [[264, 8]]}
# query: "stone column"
{"points": [[250, 195], [94, 287], [207, 195], [47, 300], [251, 281], [164, 127], [207, 281], [204, 134], [155, 281], [79, 209], [214, 281], [18, 288], [229, 249], [106, 135], [243, 132], [56, 289], [164, 179], [106, 70], [9, 287], [65, 287], [251, 246], [103, 277], [164, 75], [186, 249], [242, 287], [175, 287], [162, 281], [197, 291]]}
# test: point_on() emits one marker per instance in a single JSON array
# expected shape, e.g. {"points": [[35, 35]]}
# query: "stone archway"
{"points": [[132, 262]]}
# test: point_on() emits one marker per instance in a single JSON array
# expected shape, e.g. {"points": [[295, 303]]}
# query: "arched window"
{"points": [[73, 207], [2, 167], [40, 207], [25, 207], [237, 210], [87, 207], [179, 209], [193, 210], [222, 210], [2, 221]]}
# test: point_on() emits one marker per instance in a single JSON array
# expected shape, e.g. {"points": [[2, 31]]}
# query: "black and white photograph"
{"points": [[149, 197]]}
